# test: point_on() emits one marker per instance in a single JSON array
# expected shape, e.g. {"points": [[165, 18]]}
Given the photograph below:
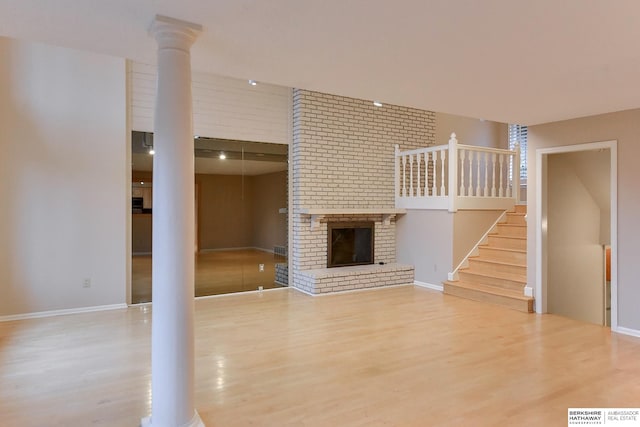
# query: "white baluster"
{"points": [[470, 188], [411, 175], [508, 185], [404, 175], [434, 168], [493, 175], [516, 172], [486, 175], [501, 192], [462, 156], [453, 173], [477, 174], [419, 161], [442, 160]]}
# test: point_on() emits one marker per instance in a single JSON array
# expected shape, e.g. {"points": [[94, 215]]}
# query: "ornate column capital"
{"points": [[171, 33]]}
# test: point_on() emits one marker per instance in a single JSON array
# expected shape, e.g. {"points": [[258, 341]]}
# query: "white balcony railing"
{"points": [[456, 176]]}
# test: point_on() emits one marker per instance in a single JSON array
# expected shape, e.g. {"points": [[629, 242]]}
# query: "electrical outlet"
{"points": [[86, 283], [261, 267]]}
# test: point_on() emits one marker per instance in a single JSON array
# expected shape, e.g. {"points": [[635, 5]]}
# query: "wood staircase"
{"points": [[498, 274]]}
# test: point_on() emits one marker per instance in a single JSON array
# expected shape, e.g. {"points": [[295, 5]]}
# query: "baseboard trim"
{"points": [[431, 286], [63, 312], [528, 291], [627, 331]]}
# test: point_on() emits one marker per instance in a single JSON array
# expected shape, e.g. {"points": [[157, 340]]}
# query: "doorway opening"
{"points": [[576, 244], [241, 224]]}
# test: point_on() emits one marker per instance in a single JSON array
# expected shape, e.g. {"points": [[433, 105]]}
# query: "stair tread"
{"points": [[498, 275], [499, 248], [491, 261], [489, 290], [507, 224], [506, 237]]}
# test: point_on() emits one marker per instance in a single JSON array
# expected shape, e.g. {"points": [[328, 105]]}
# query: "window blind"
{"points": [[518, 134]]}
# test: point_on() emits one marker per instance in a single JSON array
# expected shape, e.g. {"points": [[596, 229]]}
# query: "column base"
{"points": [[195, 421]]}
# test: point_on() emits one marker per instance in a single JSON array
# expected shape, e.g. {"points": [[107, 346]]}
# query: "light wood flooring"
{"points": [[403, 356], [218, 272]]}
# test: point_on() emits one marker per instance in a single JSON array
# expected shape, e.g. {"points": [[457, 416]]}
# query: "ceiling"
{"points": [[517, 61]]}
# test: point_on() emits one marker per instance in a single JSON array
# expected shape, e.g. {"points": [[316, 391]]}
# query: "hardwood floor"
{"points": [[219, 272], [403, 356]]}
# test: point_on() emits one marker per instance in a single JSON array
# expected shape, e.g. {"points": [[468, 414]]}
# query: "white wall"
{"points": [[223, 107], [468, 227], [470, 131], [593, 168], [63, 185], [424, 239], [625, 128], [575, 270]]}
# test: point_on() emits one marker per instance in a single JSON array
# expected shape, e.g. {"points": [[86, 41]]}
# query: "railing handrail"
{"points": [[463, 146], [422, 150], [467, 176], [486, 149]]}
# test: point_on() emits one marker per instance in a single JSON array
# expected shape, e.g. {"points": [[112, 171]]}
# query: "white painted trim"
{"points": [[350, 291], [626, 331], [528, 291], [538, 306], [63, 312], [357, 211], [611, 145], [431, 286]]}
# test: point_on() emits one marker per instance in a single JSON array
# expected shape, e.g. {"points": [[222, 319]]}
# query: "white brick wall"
{"points": [[343, 149], [351, 278], [342, 154], [223, 107]]}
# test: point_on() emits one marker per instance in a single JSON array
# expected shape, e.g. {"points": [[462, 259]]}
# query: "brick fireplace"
{"points": [[343, 171]]}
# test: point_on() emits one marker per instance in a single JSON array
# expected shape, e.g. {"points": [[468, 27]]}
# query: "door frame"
{"points": [[541, 241]]}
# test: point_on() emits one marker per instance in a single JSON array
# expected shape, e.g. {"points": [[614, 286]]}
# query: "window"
{"points": [[518, 134]]}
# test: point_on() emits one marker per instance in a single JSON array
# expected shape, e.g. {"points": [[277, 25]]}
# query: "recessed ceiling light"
{"points": [[377, 103], [253, 82], [222, 156], [141, 182], [152, 151]]}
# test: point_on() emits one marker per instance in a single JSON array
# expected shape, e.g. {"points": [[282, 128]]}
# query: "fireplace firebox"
{"points": [[349, 243]]}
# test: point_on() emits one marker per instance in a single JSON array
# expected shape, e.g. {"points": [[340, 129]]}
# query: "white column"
{"points": [[172, 337]]}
